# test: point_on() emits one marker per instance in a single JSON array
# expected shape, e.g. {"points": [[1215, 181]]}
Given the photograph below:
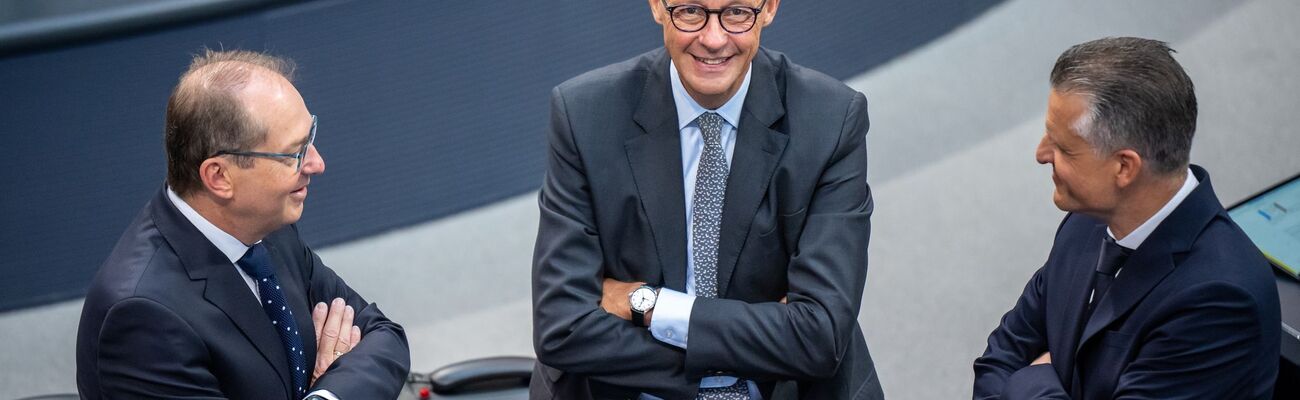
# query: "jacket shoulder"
{"points": [[800, 82], [623, 80]]}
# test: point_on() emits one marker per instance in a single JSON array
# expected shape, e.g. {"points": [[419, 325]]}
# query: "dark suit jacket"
{"points": [[1193, 314], [167, 316], [795, 222]]}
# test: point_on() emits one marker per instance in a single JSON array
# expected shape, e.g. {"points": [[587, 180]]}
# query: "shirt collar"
{"points": [[225, 242], [688, 109], [1139, 235]]}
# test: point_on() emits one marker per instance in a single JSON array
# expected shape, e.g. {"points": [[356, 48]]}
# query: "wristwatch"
{"points": [[642, 300]]}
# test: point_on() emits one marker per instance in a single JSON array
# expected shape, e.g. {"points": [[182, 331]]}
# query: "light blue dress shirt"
{"points": [[672, 313]]}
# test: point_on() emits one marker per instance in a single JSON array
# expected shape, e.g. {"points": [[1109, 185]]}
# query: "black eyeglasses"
{"points": [[300, 155], [734, 19]]}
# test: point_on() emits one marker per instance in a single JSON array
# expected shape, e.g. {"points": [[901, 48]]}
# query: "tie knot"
{"points": [[256, 262], [1112, 256], [711, 126]]}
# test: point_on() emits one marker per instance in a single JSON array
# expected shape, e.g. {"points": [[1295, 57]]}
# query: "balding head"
{"points": [[209, 111]]}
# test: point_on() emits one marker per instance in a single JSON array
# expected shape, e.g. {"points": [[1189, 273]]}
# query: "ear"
{"points": [[215, 173], [1130, 167], [657, 11], [769, 12]]}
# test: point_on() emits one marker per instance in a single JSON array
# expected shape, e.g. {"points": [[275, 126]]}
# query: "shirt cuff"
{"points": [[672, 317], [323, 393]]}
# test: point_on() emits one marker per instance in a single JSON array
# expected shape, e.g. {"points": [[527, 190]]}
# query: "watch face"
{"points": [[642, 299]]}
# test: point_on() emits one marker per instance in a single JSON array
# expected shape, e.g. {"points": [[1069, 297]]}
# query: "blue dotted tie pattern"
{"points": [[706, 222], [257, 264]]}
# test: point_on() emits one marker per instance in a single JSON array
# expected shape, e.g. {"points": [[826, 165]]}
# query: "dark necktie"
{"points": [[257, 264], [1112, 257], [706, 221]]}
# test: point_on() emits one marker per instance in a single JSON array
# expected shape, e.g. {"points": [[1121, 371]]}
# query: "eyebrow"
{"points": [[304, 140]]}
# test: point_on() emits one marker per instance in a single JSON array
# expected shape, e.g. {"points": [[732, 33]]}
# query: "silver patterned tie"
{"points": [[706, 214], [706, 220]]}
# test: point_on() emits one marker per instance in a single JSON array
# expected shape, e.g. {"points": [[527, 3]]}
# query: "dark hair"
{"points": [[205, 113], [1140, 98]]}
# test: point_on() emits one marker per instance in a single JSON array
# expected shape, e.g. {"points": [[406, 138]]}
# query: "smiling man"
{"points": [[704, 222], [1150, 291], [210, 293]]}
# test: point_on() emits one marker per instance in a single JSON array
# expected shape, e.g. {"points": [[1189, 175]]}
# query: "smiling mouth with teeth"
{"points": [[712, 61]]}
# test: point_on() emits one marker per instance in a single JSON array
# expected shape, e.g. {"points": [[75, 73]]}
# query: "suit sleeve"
{"points": [[570, 330], [1020, 338], [377, 367], [148, 351], [1204, 350], [807, 337]]}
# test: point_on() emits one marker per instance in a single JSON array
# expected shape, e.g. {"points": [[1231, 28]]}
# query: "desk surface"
{"points": [[1288, 291]]}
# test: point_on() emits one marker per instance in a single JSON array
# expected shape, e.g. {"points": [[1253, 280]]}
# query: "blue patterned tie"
{"points": [[257, 263], [706, 222]]}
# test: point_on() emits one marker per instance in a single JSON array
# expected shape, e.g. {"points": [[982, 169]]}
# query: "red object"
{"points": [[424, 393]]}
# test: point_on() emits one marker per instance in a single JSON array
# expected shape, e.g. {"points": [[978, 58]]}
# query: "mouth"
{"points": [[712, 62], [300, 192]]}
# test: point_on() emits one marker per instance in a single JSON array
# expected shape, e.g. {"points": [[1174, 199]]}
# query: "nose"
{"points": [[314, 163], [1044, 152], [713, 36]]}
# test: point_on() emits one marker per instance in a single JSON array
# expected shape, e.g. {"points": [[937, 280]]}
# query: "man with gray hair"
{"points": [[1150, 291], [211, 293]]}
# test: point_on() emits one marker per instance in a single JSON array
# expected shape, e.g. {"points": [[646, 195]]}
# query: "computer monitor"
{"points": [[1272, 220]]}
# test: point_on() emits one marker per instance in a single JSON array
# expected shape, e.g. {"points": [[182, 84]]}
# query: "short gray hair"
{"points": [[205, 114], [1139, 98]]}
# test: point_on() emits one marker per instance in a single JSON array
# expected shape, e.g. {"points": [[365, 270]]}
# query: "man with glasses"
{"points": [[704, 223], [210, 292]]}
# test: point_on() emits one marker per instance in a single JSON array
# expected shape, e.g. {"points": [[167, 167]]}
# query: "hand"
{"points": [[1046, 358], [333, 338], [614, 298]]}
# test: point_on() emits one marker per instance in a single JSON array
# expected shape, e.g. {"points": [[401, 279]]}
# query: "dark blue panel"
{"points": [[82, 131], [426, 108]]}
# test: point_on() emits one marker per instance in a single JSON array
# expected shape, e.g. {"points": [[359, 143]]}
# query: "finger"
{"points": [[318, 315], [784, 299], [356, 336], [331, 330], [321, 366], [345, 333]]}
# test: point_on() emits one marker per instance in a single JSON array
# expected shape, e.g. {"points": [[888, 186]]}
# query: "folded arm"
{"points": [[377, 365], [570, 330], [1019, 338]]}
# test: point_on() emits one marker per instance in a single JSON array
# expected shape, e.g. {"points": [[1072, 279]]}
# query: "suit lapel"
{"points": [[230, 293], [1141, 272], [224, 288], [757, 153], [655, 158], [1152, 261], [1078, 288]]}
